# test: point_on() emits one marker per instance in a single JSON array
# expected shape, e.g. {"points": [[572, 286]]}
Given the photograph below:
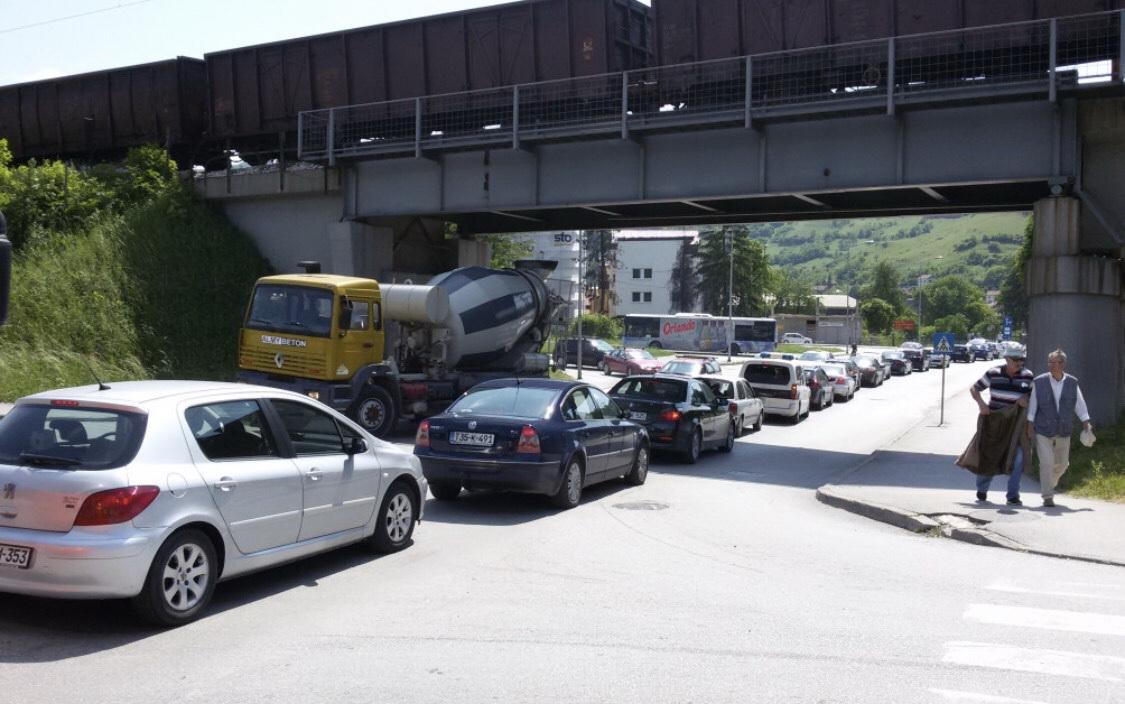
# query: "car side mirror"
{"points": [[355, 446]]}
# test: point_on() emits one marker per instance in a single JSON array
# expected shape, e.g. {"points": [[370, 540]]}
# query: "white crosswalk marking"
{"points": [[1048, 619], [1050, 662], [950, 695], [1078, 590]]}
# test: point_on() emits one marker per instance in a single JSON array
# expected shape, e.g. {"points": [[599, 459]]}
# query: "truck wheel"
{"points": [[374, 410]]}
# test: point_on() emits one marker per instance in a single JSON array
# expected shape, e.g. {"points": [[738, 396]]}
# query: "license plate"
{"points": [[637, 415], [475, 439], [15, 556]]}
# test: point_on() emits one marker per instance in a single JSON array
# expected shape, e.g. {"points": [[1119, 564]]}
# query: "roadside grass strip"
{"points": [[1098, 472]]}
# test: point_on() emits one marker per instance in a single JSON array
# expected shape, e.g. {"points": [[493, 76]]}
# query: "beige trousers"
{"points": [[1054, 458]]}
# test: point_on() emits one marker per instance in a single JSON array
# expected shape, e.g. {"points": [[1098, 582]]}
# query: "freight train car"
{"points": [[261, 90], [106, 112], [698, 30]]}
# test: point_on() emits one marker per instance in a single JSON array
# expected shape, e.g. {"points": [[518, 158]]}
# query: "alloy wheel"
{"points": [[400, 514], [186, 576]]}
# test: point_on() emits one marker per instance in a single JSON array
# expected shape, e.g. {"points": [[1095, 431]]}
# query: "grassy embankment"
{"points": [[152, 290], [1098, 472]]}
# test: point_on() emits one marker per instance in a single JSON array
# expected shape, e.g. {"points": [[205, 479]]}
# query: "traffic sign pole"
{"points": [[943, 343], [941, 422]]}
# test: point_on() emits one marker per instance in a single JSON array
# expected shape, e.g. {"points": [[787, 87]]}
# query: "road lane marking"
{"points": [[1047, 662], [1047, 619], [1080, 590], [950, 695]]}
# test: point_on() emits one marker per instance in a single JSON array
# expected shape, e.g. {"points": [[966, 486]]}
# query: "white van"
{"points": [[781, 386]]}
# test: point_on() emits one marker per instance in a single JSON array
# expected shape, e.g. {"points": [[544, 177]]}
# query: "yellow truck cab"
{"points": [[312, 333]]}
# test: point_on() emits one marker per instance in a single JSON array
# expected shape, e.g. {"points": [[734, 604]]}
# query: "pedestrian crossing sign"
{"points": [[943, 342]]}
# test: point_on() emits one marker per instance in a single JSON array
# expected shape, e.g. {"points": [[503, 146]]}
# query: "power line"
{"points": [[118, 6]]}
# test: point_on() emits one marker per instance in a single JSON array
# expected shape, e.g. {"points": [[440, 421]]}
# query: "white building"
{"points": [[646, 260]]}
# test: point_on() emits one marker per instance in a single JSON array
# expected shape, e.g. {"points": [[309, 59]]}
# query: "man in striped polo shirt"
{"points": [[1008, 384]]}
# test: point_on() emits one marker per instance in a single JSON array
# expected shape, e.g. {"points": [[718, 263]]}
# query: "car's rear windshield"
{"points": [[834, 370], [679, 368], [778, 374], [506, 401], [668, 390], [70, 437]]}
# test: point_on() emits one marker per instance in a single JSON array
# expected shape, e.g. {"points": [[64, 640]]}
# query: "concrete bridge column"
{"points": [[1076, 304]]}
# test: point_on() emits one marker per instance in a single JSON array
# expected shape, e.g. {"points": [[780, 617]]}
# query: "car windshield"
{"points": [[834, 370], [892, 355], [601, 345], [514, 401], [300, 310], [721, 387], [814, 355], [675, 367], [639, 354], [768, 374], [668, 390], [69, 436]]}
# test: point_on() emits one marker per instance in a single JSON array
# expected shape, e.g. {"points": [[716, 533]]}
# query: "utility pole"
{"points": [[728, 242], [581, 293], [919, 307]]}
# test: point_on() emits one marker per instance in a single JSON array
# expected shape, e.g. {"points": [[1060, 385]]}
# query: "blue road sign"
{"points": [[943, 342]]}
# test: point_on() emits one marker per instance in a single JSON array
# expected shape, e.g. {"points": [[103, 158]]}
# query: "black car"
{"points": [[961, 353], [980, 349], [872, 371], [538, 436], [917, 357], [593, 351], [897, 363], [681, 414]]}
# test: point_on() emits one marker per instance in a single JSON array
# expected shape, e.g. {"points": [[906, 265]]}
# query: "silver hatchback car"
{"points": [[156, 490]]}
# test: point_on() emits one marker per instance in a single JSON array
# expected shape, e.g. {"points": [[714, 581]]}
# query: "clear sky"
{"points": [[48, 38]]}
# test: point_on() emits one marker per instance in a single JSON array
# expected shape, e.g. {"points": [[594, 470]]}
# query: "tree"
{"points": [[885, 286], [600, 263], [957, 324], [878, 315], [956, 295], [751, 272], [684, 289], [507, 250], [791, 294], [1013, 292]]}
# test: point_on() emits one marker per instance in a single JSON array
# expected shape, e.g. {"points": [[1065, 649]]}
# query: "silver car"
{"points": [[157, 490]]}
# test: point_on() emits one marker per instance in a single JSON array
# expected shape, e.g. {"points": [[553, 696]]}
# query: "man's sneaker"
{"points": [[1048, 503], [1015, 502], [982, 496]]}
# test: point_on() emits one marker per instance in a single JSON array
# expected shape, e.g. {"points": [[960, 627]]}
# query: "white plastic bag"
{"points": [[1087, 437]]}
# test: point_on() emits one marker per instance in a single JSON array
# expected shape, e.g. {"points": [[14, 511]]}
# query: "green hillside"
{"points": [[841, 252]]}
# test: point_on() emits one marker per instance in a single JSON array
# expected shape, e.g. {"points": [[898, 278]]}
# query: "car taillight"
{"points": [[422, 437], [529, 441], [793, 392], [733, 408], [841, 380], [115, 505], [671, 415]]}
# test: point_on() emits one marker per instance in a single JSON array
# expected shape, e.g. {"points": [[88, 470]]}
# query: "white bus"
{"points": [[699, 332]]}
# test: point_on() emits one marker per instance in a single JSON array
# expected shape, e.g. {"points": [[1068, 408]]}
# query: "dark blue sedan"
{"points": [[532, 435]]}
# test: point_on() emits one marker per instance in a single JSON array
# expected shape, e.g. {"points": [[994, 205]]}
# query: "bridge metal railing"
{"points": [[1037, 58]]}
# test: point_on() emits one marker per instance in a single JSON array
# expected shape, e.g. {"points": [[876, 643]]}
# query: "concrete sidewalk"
{"points": [[913, 484]]}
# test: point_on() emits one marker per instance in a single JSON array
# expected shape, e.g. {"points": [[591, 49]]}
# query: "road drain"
{"points": [[642, 506]]}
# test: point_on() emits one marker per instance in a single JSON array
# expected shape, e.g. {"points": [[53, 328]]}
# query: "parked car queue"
{"points": [[157, 491]]}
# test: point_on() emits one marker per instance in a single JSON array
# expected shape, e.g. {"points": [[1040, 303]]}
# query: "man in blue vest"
{"points": [[1055, 400]]}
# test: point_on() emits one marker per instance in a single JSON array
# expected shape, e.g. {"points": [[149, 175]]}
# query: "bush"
{"points": [[599, 326]]}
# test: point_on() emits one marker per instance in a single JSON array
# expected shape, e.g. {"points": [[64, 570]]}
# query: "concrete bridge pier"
{"points": [[1076, 304]]}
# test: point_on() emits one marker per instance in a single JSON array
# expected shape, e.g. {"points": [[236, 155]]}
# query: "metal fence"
{"points": [[1028, 58]]}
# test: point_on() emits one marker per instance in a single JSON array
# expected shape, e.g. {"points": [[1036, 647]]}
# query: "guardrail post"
{"points": [[624, 105], [891, 76], [515, 117], [1053, 53], [331, 137], [749, 105], [417, 128]]}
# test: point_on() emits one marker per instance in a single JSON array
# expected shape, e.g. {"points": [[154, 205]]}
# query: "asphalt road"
{"points": [[720, 582]]}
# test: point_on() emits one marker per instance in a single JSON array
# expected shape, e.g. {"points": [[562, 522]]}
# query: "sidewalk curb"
{"points": [[920, 523]]}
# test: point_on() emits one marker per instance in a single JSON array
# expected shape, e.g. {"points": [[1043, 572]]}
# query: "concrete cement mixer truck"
{"points": [[381, 352]]}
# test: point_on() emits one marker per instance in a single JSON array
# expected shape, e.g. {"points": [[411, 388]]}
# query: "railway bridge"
{"points": [[1028, 116]]}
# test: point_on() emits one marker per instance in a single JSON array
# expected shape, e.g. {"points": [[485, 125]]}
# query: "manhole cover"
{"points": [[642, 506]]}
